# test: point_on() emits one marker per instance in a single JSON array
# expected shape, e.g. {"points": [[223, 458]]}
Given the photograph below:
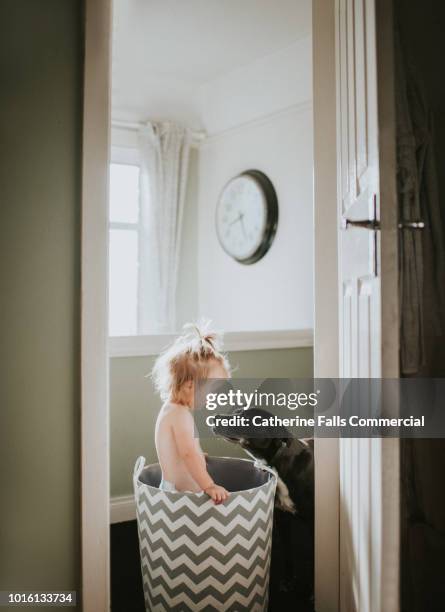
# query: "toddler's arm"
{"points": [[183, 431]]}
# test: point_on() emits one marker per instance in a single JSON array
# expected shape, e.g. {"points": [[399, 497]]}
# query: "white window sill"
{"points": [[141, 346]]}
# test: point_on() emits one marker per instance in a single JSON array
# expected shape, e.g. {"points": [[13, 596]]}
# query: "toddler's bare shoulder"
{"points": [[181, 413]]}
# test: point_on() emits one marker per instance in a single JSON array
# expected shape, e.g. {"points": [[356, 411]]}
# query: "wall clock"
{"points": [[247, 216]]}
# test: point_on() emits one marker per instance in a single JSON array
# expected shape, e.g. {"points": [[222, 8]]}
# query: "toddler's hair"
{"points": [[188, 358]]}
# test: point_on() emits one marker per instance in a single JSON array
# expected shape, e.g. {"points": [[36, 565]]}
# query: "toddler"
{"points": [[194, 355]]}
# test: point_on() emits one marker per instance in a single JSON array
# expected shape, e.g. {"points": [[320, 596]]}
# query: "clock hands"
{"points": [[240, 218], [237, 219], [242, 224]]}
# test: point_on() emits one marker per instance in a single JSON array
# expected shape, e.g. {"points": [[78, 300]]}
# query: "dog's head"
{"points": [[262, 443], [277, 447]]}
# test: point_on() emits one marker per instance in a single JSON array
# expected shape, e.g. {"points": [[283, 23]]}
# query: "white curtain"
{"points": [[164, 156]]}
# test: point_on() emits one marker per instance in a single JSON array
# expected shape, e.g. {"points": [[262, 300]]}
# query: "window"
{"points": [[124, 249]]}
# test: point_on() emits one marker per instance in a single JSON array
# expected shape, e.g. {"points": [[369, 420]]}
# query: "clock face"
{"points": [[246, 216]]}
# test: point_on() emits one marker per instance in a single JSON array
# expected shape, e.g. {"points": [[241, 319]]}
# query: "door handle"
{"points": [[369, 224], [411, 225], [374, 225]]}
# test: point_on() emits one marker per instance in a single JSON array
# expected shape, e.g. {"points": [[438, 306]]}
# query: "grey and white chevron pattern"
{"points": [[198, 556]]}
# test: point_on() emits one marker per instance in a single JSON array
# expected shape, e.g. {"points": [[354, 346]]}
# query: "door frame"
{"points": [[326, 320], [95, 549]]}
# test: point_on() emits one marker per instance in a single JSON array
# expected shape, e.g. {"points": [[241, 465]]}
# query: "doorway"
{"points": [[206, 119]]}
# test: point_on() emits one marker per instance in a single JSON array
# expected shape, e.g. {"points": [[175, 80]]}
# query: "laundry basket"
{"points": [[196, 555]]}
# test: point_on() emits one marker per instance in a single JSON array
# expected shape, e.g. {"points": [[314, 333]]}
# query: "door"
{"points": [[368, 320]]}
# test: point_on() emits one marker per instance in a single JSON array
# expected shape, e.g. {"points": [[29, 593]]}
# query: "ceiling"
{"points": [[177, 45]]}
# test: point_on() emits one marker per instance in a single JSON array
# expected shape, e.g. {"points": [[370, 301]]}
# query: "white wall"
{"points": [[163, 51], [268, 85], [257, 116], [276, 292], [260, 117]]}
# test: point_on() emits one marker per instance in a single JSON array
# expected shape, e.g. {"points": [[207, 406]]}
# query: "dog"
{"points": [[292, 562]]}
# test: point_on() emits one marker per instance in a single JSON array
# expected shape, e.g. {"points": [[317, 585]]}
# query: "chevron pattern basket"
{"points": [[199, 556]]}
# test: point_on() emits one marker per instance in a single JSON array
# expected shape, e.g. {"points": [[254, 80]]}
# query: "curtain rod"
{"points": [[197, 136]]}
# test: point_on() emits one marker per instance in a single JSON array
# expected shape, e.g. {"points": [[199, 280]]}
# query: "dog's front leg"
{"points": [[283, 500]]}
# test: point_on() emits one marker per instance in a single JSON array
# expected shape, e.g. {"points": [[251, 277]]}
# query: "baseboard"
{"points": [[122, 508]]}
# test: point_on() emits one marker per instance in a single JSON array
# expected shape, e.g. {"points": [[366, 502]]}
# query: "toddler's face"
{"points": [[215, 370]]}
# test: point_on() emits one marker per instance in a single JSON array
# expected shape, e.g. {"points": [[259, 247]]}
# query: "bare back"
{"points": [[173, 467]]}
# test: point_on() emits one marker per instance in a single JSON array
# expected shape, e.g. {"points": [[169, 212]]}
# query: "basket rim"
{"points": [[265, 468]]}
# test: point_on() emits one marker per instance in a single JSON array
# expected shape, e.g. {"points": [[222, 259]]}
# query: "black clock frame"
{"points": [[272, 216]]}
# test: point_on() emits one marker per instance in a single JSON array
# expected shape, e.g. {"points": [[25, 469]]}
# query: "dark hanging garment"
{"points": [[421, 252], [423, 525], [422, 341]]}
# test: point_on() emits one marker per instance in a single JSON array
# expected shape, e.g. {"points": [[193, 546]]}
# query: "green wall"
{"points": [[41, 49], [134, 406]]}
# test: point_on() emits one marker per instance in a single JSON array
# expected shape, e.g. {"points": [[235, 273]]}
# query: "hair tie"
{"points": [[210, 339]]}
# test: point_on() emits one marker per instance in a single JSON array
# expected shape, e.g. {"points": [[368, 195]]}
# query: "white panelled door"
{"points": [[369, 508]]}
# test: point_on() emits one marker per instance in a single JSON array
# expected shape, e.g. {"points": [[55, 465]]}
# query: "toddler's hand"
{"points": [[217, 493]]}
